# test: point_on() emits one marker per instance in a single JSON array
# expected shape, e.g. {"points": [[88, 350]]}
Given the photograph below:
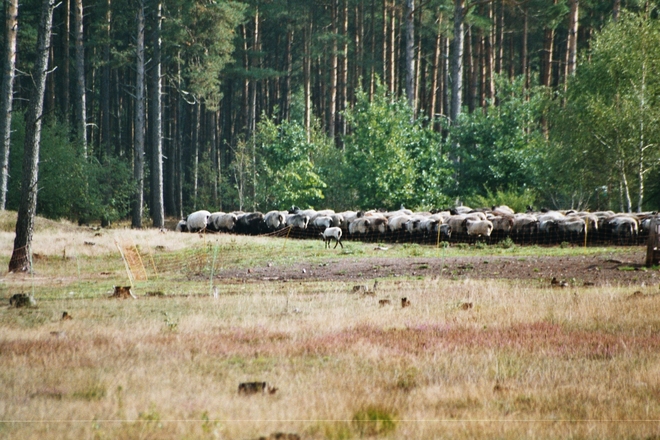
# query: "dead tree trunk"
{"points": [[7, 95], [20, 258]]}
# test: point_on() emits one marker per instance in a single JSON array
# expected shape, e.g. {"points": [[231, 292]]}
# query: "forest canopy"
{"points": [[342, 104]]}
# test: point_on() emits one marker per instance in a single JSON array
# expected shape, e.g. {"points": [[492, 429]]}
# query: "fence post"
{"points": [[653, 245]]}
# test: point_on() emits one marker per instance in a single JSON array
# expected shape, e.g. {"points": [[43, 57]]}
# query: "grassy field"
{"points": [[468, 358]]}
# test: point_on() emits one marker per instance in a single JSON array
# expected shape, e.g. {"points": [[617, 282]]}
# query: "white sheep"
{"points": [[360, 225], [503, 210], [502, 224], [212, 220], [297, 220], [224, 222], [198, 220], [525, 223], [457, 223], [337, 220], [333, 233], [571, 225], [274, 220], [479, 227], [322, 221], [398, 222]]}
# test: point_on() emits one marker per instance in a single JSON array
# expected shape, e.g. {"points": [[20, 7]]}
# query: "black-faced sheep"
{"points": [[333, 233], [444, 230], [211, 226], [182, 226], [197, 221], [224, 222], [250, 223]]}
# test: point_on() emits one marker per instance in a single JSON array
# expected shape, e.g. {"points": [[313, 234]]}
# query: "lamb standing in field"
{"points": [[333, 233]]}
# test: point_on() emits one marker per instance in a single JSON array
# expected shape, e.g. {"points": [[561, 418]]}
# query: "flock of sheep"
{"points": [[457, 224]]}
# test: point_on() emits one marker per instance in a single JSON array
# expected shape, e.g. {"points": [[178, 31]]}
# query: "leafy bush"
{"points": [[70, 186], [514, 198], [504, 146], [390, 160]]}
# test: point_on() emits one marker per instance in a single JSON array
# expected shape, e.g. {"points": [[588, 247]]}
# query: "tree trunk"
{"points": [[410, 55], [7, 95], [106, 130], [616, 10], [571, 44], [334, 65], [490, 55], [642, 139], [546, 64], [307, 77], [385, 40], [155, 111], [457, 61], [285, 112], [194, 136], [525, 56], [138, 155], [393, 49], [499, 59], [20, 258], [343, 80], [66, 83], [253, 110], [471, 74], [81, 108], [436, 71]]}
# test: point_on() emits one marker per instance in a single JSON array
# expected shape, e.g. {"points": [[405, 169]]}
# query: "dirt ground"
{"points": [[594, 270]]}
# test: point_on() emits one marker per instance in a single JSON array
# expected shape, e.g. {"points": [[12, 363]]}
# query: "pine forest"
{"points": [[151, 109]]}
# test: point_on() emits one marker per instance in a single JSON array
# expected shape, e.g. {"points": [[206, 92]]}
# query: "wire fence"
{"points": [[524, 237]]}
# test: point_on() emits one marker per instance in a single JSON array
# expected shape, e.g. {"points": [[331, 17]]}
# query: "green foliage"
{"points": [[503, 146], [200, 36], [287, 172], [390, 160], [515, 198], [604, 137], [69, 186]]}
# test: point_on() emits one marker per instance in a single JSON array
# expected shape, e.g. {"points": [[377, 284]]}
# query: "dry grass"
{"points": [[522, 362]]}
